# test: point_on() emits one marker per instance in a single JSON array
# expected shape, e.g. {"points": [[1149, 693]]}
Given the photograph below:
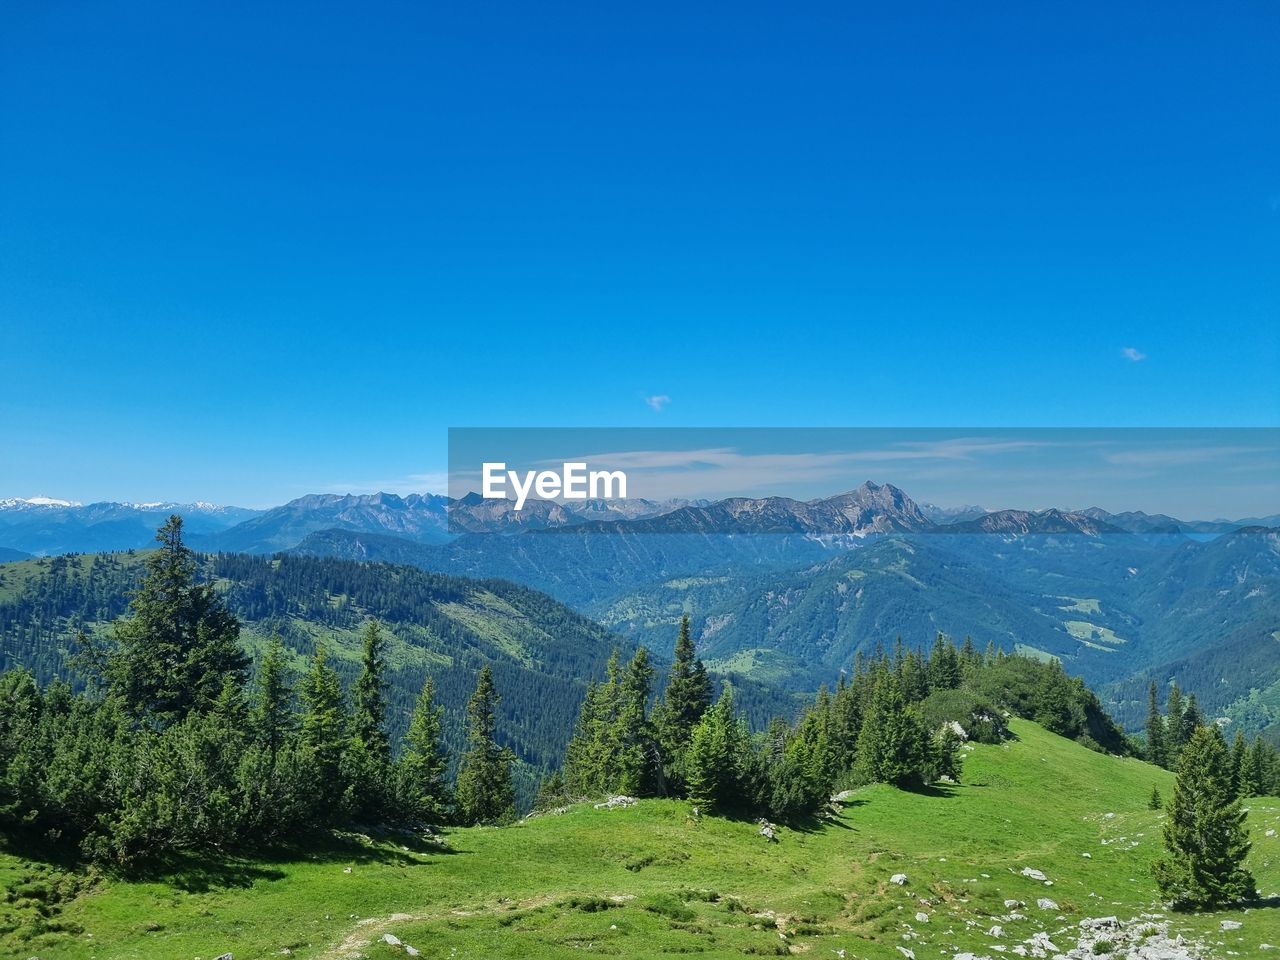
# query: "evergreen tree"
{"points": [[1253, 781], [686, 698], [173, 654], [273, 719], [893, 746], [1155, 801], [370, 696], [1173, 725], [1156, 752], [324, 737], [1239, 753], [485, 793], [633, 736], [1192, 719], [421, 787], [1205, 833], [715, 757], [945, 664]]}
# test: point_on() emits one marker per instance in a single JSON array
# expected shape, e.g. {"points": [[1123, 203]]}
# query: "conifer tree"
{"points": [[944, 664], [324, 736], [273, 719], [1174, 710], [421, 787], [1192, 719], [485, 793], [715, 756], [1205, 833], [1239, 753], [369, 694], [893, 746], [686, 698], [633, 736], [174, 652], [1156, 752]]}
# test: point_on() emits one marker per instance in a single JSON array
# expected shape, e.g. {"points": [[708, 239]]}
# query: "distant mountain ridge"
{"points": [[46, 525]]}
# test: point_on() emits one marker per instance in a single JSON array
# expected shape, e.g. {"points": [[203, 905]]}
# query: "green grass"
{"points": [[651, 881]]}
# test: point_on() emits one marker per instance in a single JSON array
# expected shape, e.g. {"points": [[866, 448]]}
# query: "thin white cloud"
{"points": [[413, 483], [1133, 354], [657, 401]]}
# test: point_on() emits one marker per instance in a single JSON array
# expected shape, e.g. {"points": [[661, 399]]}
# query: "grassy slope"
{"points": [[530, 890]]}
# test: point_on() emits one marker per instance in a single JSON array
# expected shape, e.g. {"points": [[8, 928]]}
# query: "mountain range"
{"points": [[45, 526], [788, 592]]}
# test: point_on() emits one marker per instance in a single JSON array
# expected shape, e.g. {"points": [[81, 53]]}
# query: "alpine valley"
{"points": [[782, 594]]}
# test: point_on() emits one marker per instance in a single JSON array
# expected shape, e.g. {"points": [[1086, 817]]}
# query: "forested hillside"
{"points": [[541, 653]]}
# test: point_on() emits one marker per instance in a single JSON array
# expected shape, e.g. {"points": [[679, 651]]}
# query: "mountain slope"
{"points": [[653, 881], [47, 527], [542, 653]]}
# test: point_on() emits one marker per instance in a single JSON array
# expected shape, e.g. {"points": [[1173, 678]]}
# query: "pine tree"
{"points": [[1205, 833], [421, 787], [633, 737], [1173, 725], [715, 756], [893, 746], [273, 719], [944, 664], [1192, 719], [686, 698], [1155, 801], [324, 737], [174, 652], [369, 696], [1156, 752], [1239, 753], [485, 793]]}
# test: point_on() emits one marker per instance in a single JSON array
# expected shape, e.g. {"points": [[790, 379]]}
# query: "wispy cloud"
{"points": [[657, 401], [1133, 354], [413, 483]]}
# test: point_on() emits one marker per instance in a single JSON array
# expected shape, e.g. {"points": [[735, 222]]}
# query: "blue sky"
{"points": [[248, 255]]}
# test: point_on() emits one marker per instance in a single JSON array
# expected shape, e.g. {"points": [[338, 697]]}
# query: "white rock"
{"points": [[907, 952], [1087, 856], [1033, 874], [1044, 903], [996, 931], [1013, 904], [391, 940], [899, 878], [921, 917], [1231, 924]]}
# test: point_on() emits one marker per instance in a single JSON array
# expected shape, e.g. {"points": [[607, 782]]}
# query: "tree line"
{"points": [[174, 746], [898, 719]]}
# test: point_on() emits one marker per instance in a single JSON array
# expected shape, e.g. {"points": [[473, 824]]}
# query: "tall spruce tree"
{"points": [[893, 746], [176, 650], [686, 698], [324, 737], [273, 719], [1205, 832], [1156, 752], [1174, 710], [485, 793], [422, 790], [715, 756], [633, 737], [369, 695]]}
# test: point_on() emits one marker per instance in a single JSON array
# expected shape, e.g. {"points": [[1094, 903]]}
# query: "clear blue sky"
{"points": [[246, 254]]}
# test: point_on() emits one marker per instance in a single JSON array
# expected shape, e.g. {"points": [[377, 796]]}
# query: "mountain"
{"points": [[418, 517], [1020, 523], [45, 526], [7, 554]]}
